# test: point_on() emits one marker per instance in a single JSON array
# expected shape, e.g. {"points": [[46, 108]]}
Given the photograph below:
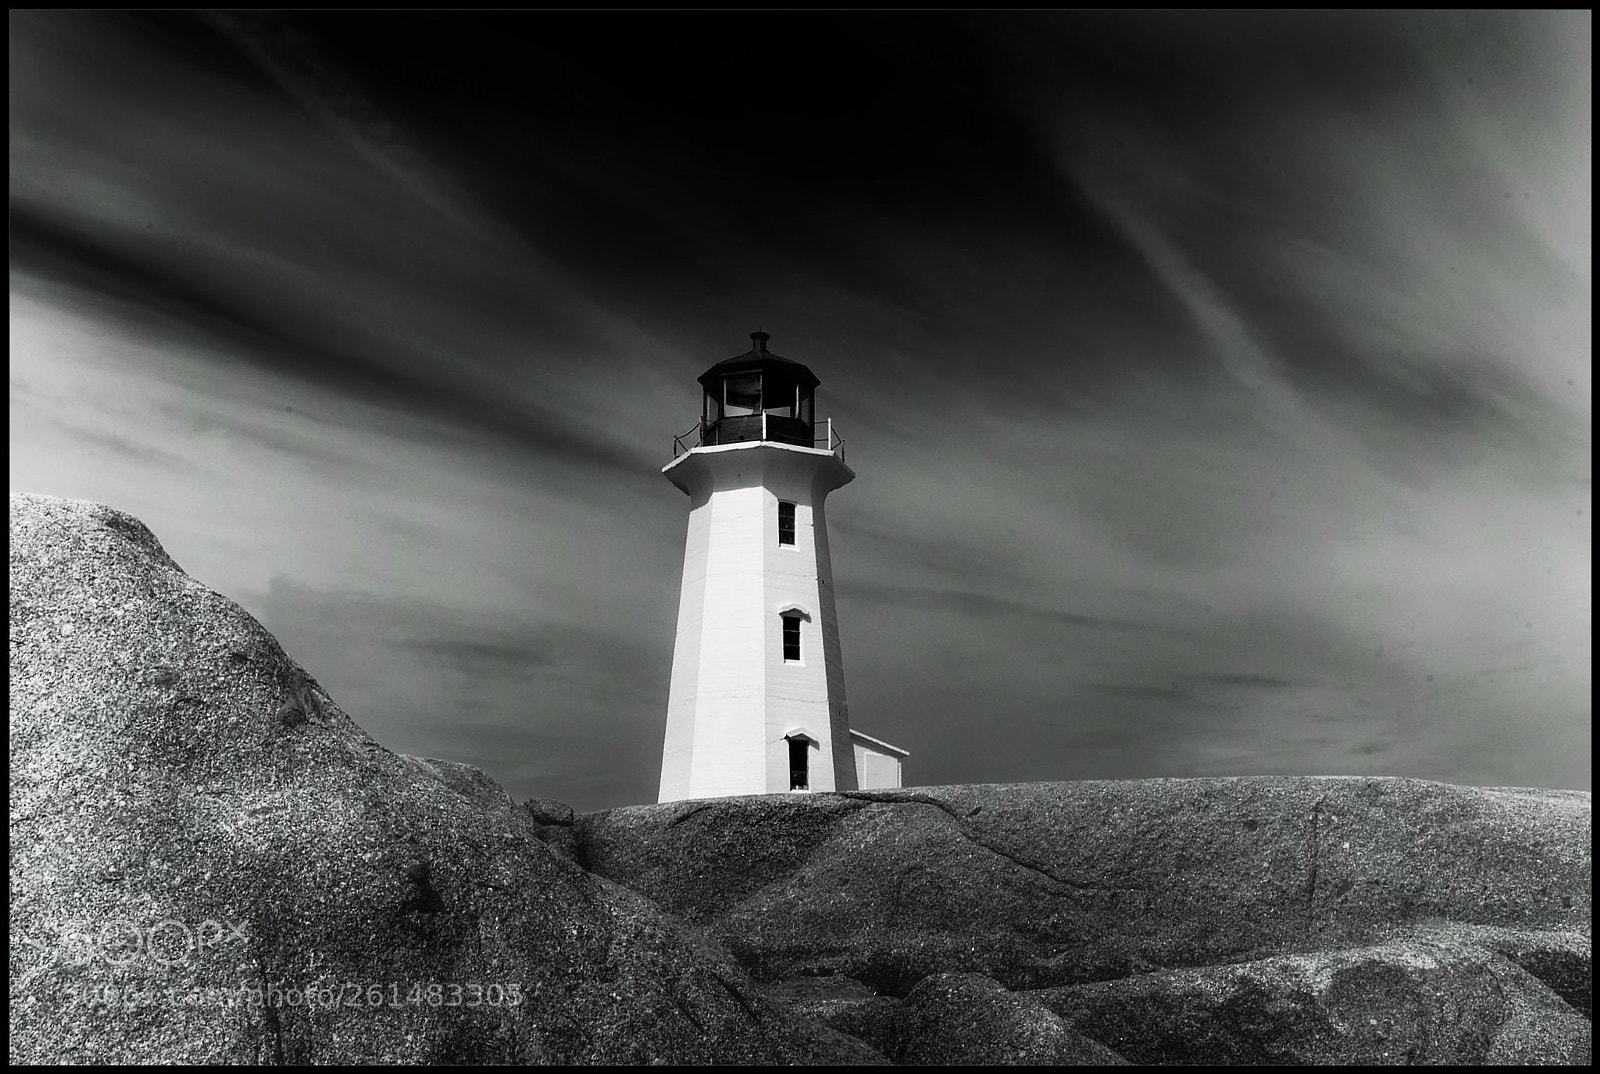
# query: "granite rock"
{"points": [[1431, 997], [211, 863], [1040, 885], [963, 1019]]}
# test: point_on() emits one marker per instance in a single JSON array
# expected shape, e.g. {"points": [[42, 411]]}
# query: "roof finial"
{"points": [[760, 340]]}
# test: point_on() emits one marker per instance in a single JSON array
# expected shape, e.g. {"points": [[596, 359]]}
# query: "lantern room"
{"points": [[758, 396]]}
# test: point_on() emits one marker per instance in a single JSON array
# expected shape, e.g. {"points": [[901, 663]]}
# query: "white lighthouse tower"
{"points": [[757, 700]]}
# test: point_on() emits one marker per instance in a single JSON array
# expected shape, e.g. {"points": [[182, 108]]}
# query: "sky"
{"points": [[1218, 385]]}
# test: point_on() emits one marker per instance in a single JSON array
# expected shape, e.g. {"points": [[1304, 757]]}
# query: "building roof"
{"points": [[787, 370], [879, 744]]}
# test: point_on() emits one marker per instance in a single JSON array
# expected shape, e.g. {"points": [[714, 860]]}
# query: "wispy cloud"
{"points": [[1218, 385], [986, 606], [296, 62], [1256, 681]]}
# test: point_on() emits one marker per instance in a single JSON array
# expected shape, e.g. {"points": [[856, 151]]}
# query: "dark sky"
{"points": [[1219, 385]]}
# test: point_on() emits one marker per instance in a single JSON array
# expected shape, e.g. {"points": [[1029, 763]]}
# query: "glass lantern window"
{"points": [[742, 394], [779, 399]]}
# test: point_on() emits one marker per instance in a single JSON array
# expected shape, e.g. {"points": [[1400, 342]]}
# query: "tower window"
{"points": [[799, 764], [791, 637], [785, 523]]}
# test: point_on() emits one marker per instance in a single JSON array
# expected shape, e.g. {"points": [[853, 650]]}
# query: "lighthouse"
{"points": [[757, 703]]}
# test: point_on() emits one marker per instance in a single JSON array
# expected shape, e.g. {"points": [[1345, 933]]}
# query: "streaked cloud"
{"points": [[1218, 384]]}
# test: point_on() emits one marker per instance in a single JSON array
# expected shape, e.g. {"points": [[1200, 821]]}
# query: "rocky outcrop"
{"points": [[948, 1019], [963, 1019], [210, 862], [1433, 997], [846, 1005], [552, 823], [1164, 921], [1043, 885]]}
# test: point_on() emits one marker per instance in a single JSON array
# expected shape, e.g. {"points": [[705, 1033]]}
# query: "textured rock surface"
{"points": [[198, 832], [844, 1004], [1433, 999], [1056, 884], [553, 825], [965, 1019], [948, 1019]]}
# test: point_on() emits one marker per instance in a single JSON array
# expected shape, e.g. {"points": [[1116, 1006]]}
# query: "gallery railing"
{"points": [[748, 428]]}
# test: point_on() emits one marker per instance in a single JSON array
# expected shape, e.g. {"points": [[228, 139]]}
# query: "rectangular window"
{"points": [[799, 764], [791, 637], [785, 523]]}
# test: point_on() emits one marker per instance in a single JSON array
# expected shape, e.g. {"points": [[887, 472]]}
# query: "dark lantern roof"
{"points": [[783, 370]]}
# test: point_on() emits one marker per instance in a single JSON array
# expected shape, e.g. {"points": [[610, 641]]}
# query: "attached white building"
{"points": [[877, 762], [757, 699]]}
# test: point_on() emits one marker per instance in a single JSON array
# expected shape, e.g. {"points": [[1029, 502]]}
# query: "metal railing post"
{"points": [[678, 447]]}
